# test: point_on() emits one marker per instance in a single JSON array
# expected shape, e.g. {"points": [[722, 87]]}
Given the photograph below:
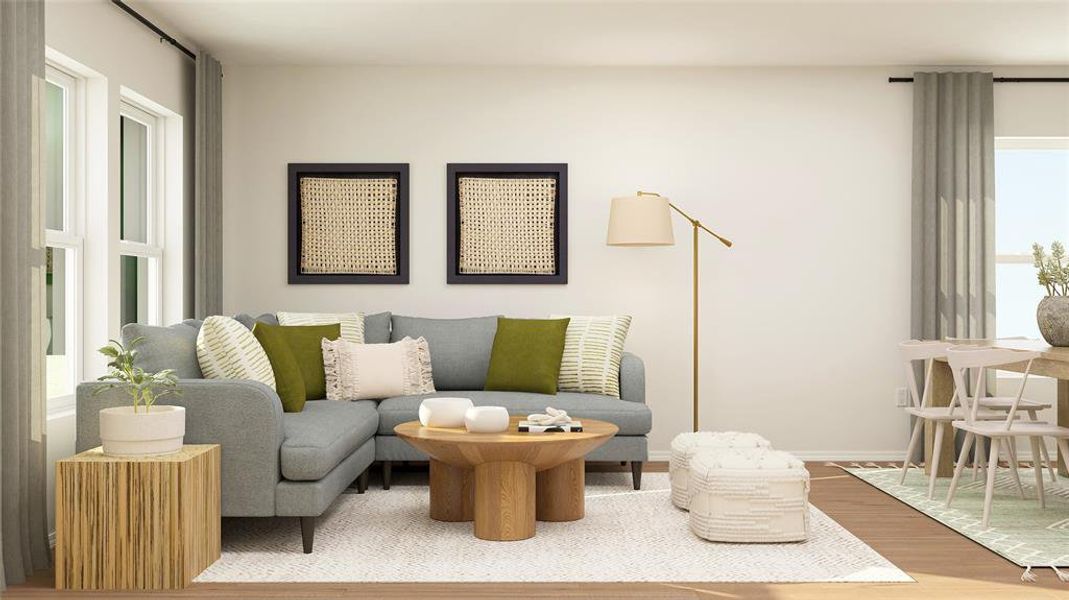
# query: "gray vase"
{"points": [[1053, 317]]}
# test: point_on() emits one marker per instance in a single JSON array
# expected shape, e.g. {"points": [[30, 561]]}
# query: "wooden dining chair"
{"points": [[1001, 433], [1002, 403], [919, 404]]}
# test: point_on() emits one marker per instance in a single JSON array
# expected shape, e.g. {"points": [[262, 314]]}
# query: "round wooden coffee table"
{"points": [[505, 481]]}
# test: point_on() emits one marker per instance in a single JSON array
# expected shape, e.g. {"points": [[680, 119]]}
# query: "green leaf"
{"points": [[143, 387]]}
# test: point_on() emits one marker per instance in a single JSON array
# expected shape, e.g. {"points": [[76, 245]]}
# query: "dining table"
{"points": [[1053, 362]]}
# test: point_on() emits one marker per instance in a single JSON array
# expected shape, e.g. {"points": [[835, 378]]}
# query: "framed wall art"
{"points": [[348, 223], [507, 223]]}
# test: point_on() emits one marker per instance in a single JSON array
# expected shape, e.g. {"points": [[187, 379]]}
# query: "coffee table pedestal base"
{"points": [[452, 492], [506, 481], [504, 501], [560, 492]]}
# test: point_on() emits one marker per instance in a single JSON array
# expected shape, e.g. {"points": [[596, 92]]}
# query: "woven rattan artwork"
{"points": [[348, 225], [507, 225]]}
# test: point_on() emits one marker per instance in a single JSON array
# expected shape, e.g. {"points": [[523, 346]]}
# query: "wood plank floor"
{"points": [[945, 565]]}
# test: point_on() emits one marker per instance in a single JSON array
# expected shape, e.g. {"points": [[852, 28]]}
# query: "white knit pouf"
{"points": [[749, 496], [685, 445]]}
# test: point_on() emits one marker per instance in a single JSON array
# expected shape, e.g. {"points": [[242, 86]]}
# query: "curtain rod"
{"points": [[997, 79], [163, 34]]}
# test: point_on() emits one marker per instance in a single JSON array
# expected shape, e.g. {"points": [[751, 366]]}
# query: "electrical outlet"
{"points": [[901, 397]]}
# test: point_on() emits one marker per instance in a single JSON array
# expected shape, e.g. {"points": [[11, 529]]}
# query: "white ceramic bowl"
{"points": [[486, 419], [443, 412]]}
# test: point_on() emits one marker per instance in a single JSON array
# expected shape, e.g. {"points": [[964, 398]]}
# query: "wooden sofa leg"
{"points": [[636, 473], [308, 533], [387, 471], [361, 482]]}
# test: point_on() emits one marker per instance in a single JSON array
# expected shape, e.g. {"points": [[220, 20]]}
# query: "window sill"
{"points": [[59, 414]]}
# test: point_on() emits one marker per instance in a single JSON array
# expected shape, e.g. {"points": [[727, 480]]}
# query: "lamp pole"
{"points": [[694, 337], [696, 225]]}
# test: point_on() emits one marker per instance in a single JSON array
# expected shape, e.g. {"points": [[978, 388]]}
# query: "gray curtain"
{"points": [[23, 520], [208, 201], [953, 287]]}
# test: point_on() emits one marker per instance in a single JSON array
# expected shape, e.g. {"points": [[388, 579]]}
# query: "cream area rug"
{"points": [[627, 535]]}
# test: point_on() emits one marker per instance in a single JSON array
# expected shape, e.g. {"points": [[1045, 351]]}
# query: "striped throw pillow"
{"points": [[593, 348], [226, 349], [352, 324]]}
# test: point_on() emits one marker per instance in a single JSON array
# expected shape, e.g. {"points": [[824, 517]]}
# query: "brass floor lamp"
{"points": [[645, 219]]}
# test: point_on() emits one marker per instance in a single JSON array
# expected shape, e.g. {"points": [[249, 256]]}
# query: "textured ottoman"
{"points": [[684, 447], [749, 496]]}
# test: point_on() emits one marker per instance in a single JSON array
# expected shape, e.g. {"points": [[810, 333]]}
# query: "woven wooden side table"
{"points": [[136, 523]]}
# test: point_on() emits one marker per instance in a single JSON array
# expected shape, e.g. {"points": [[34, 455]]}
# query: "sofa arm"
{"points": [[632, 378], [244, 417]]}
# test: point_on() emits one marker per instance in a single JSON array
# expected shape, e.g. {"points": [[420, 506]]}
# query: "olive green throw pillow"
{"points": [[289, 383], [526, 355], [305, 342]]}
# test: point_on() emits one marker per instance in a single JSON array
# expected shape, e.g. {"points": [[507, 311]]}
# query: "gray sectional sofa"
{"points": [[296, 464]]}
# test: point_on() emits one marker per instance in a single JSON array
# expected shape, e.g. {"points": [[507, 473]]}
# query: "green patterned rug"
{"points": [[1020, 531]]}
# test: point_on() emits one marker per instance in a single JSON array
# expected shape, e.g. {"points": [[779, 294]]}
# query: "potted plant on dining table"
{"points": [[142, 428], [1053, 310]]}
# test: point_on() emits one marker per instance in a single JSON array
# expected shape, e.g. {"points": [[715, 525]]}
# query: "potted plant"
{"points": [[141, 428], [1053, 311]]}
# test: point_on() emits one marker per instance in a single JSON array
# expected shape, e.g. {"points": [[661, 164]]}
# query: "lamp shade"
{"points": [[644, 220]]}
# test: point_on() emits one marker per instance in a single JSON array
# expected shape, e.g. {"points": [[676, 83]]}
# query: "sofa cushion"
{"points": [[322, 435], [250, 321], [633, 418], [173, 347], [460, 348], [376, 371], [227, 350], [289, 380], [593, 350], [304, 341], [377, 328], [352, 324], [526, 355]]}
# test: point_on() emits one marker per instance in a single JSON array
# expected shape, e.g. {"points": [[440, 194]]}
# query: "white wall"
{"points": [[117, 55], [808, 170]]}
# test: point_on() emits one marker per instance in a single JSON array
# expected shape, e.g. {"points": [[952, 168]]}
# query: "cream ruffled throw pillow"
{"points": [[375, 371]]}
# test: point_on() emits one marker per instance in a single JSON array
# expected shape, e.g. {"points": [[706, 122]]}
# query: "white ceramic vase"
{"points": [[443, 412], [486, 419], [157, 430]]}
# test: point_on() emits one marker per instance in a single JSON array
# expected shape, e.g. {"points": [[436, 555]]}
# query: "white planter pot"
{"points": [[159, 430], [443, 412], [486, 419]]}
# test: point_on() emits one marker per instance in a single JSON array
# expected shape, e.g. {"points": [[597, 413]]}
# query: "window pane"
{"points": [[1031, 199], [133, 289], [1018, 294], [134, 194], [55, 152], [57, 296]]}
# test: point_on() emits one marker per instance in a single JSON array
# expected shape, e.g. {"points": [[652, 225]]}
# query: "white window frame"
{"points": [[1024, 257], [71, 238], [1027, 143], [152, 249]]}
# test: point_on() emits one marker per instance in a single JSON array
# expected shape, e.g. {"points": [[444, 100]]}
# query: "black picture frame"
{"points": [[558, 171], [399, 171]]}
